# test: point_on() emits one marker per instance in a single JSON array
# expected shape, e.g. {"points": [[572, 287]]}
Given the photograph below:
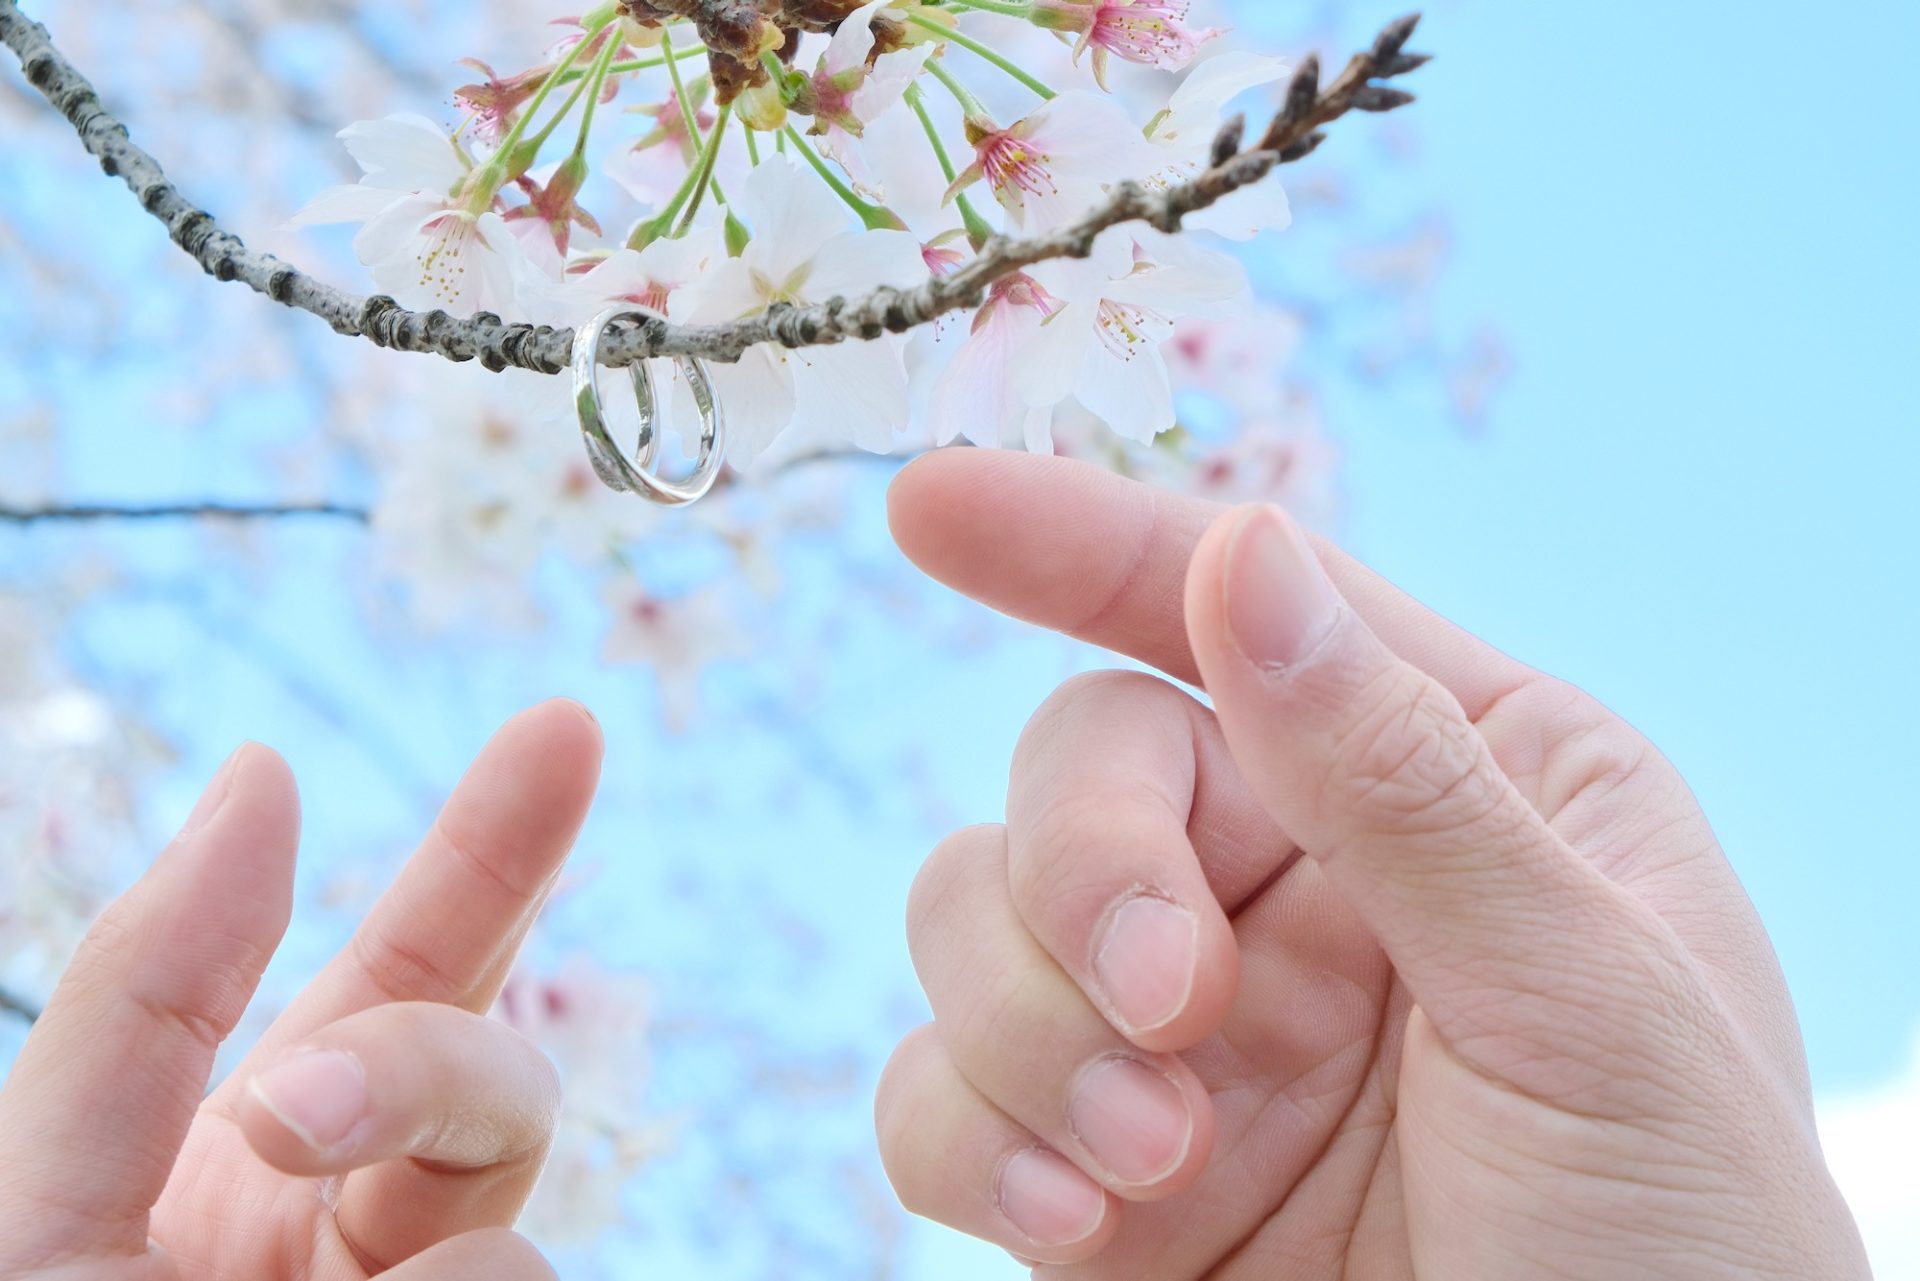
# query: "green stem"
{"points": [[709, 156], [1011, 10], [974, 109], [874, 216], [659, 60], [697, 175], [601, 74], [753, 144], [540, 98], [679, 85], [592, 81], [978, 230], [687, 115], [918, 101], [993, 56]]}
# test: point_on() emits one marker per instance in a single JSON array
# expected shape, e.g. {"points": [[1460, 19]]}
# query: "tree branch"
{"points": [[498, 344], [18, 1007], [68, 513]]}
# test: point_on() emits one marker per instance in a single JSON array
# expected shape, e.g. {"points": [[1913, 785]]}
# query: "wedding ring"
{"points": [[637, 476]]}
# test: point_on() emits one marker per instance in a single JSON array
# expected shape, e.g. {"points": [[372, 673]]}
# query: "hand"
{"points": [[1401, 960], [382, 1124]]}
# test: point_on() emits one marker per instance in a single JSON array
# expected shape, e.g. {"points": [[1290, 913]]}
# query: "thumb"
{"points": [[1370, 765]]}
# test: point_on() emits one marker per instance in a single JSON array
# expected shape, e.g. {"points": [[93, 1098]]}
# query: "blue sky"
{"points": [[1692, 497]]}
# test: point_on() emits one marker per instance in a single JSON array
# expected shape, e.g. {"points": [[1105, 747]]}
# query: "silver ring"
{"points": [[637, 476]]}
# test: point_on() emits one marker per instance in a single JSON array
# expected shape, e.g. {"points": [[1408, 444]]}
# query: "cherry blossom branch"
{"points": [[1293, 134], [71, 513], [18, 1007]]}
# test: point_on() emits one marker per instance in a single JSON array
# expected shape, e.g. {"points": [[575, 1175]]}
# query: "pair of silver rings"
{"points": [[637, 475]]}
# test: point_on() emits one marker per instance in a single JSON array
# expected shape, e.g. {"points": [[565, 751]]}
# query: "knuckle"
{"points": [[939, 889], [1606, 751], [1067, 876], [1409, 762], [1591, 762], [124, 956], [1064, 718], [399, 971]]}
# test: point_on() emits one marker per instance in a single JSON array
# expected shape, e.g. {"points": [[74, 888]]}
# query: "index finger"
{"points": [[96, 1108], [448, 928], [1080, 550]]}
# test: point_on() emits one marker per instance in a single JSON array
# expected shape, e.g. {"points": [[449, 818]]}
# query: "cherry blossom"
{"points": [[674, 637], [650, 168], [851, 88], [648, 278], [430, 239], [1240, 360], [804, 250], [491, 104], [1285, 458], [1054, 164], [399, 156], [980, 395], [1184, 132], [493, 546], [545, 223], [1103, 347], [1152, 32]]}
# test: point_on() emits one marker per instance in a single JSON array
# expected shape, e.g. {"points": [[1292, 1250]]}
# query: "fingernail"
{"points": [[320, 1096], [1132, 1119], [1280, 604], [1044, 1196], [215, 794], [1145, 961]]}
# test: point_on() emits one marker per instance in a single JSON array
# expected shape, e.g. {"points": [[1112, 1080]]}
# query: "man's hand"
{"points": [[383, 1124], [1400, 960]]}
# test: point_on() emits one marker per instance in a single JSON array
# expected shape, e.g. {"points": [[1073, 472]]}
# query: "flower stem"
{"points": [[975, 110], [687, 115], [496, 169], [698, 176], [601, 72], [876, 217], [978, 231], [992, 55], [1011, 10], [658, 60], [709, 156], [589, 86]]}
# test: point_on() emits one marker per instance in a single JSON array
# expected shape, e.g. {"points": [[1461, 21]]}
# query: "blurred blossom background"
{"points": [[1597, 349]]}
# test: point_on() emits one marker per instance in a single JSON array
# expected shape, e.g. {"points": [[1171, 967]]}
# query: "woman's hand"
{"points": [[383, 1124], [1399, 960]]}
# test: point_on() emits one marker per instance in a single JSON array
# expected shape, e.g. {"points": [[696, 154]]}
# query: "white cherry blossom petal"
{"points": [[852, 42], [357, 203], [758, 397], [725, 291], [855, 391], [405, 153], [791, 214], [855, 263], [1131, 393], [887, 84]]}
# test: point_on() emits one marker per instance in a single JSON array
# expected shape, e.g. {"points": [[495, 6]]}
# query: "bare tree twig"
{"points": [[18, 1007], [76, 512], [499, 344]]}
